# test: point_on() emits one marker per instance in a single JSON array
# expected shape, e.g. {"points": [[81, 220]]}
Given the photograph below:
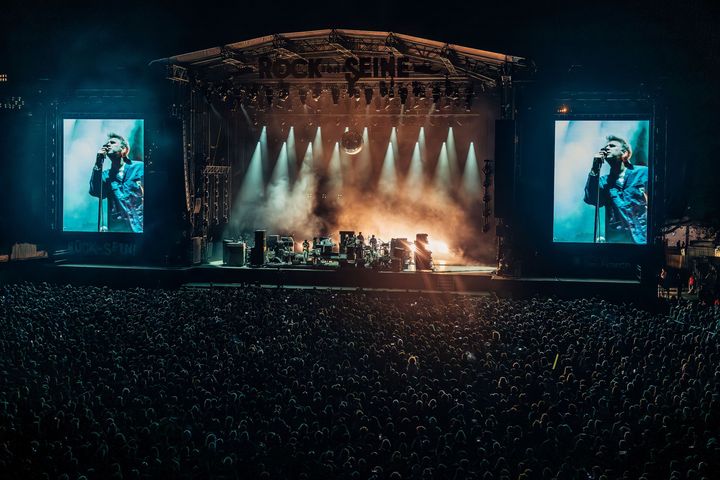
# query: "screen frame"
{"points": [[651, 173], [71, 115]]}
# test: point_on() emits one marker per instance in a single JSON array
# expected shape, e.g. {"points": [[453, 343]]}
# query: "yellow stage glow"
{"points": [[438, 246]]}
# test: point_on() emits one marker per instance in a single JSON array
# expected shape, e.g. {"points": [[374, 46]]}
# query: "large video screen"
{"points": [[601, 181], [103, 175]]}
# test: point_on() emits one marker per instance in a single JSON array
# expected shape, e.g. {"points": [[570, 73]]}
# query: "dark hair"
{"points": [[625, 145], [123, 143]]}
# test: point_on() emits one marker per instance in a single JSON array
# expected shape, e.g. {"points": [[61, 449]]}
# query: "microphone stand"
{"points": [[597, 212], [100, 204], [596, 227]]}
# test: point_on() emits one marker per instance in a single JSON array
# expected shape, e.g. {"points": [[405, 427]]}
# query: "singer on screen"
{"points": [[122, 185], [623, 193]]}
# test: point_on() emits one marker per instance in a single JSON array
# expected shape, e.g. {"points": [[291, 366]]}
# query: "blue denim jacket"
{"points": [[625, 202], [125, 192]]}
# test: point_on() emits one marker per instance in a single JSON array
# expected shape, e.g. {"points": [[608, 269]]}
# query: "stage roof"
{"points": [[333, 55]]}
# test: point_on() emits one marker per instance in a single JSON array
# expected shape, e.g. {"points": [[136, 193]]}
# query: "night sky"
{"points": [[675, 46]]}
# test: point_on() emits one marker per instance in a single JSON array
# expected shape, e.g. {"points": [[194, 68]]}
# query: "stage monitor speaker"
{"points": [[505, 137], [257, 256], [235, 254]]}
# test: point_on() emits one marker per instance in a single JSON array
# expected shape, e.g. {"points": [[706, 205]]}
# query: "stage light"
{"points": [[563, 108], [448, 88], [383, 89], [368, 95], [403, 91], [391, 90], [335, 92], [317, 91], [468, 97], [284, 93], [269, 95], [303, 95], [416, 88], [436, 93]]}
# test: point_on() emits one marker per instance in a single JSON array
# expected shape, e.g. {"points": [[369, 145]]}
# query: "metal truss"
{"points": [[433, 59]]}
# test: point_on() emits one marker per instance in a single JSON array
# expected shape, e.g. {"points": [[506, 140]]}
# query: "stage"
{"points": [[463, 279]]}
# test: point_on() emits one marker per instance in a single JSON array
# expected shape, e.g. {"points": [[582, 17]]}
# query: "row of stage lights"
{"points": [[262, 97]]}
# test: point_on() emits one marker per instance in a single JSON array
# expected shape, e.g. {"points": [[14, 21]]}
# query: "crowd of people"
{"points": [[97, 383]]}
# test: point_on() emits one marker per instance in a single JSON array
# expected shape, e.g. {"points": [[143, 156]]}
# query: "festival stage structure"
{"points": [[355, 159], [387, 137]]}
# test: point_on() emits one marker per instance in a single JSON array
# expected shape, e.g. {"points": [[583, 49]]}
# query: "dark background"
{"points": [[604, 46]]}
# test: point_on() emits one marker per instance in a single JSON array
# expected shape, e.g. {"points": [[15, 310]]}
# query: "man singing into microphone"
{"points": [[122, 185], [623, 193]]}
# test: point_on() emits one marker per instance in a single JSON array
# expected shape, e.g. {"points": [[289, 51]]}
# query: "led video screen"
{"points": [[103, 175], [601, 177]]}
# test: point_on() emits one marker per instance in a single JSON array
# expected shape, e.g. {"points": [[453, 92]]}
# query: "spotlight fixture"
{"points": [[468, 97], [303, 95], [448, 87], [368, 95], [383, 89], [391, 90], [403, 91], [416, 88], [563, 108], [352, 91], [335, 92], [269, 95], [284, 93], [436, 93], [316, 91]]}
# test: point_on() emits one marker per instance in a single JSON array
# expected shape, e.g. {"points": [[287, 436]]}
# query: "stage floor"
{"points": [[439, 268], [472, 279]]}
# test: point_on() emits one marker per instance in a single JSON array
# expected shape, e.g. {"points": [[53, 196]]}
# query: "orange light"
{"points": [[438, 247]]}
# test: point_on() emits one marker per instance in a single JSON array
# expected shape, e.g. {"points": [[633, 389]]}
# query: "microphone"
{"points": [[100, 158]]}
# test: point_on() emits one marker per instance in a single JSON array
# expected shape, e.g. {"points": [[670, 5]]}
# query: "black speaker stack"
{"points": [[423, 256], [257, 255]]}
